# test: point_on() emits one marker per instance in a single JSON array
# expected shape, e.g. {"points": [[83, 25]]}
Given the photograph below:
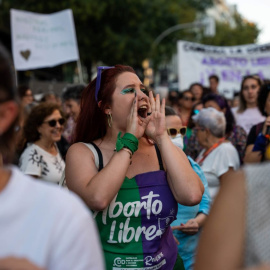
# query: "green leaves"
{"points": [[119, 31], [244, 32]]}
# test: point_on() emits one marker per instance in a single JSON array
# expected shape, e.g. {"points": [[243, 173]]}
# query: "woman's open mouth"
{"points": [[142, 111]]}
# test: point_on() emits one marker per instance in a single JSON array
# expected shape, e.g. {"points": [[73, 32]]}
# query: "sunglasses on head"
{"points": [[53, 122], [173, 131], [98, 80]]}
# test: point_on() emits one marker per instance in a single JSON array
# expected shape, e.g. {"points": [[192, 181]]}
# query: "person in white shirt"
{"points": [[219, 156], [248, 113], [41, 225], [43, 128]]}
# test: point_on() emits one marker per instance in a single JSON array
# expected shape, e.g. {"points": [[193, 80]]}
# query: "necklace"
{"points": [[214, 146]]}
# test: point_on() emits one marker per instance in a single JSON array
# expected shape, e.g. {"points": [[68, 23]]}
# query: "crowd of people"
{"points": [[109, 176]]}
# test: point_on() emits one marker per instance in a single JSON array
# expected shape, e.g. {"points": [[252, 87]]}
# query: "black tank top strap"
{"points": [[100, 157], [159, 158]]}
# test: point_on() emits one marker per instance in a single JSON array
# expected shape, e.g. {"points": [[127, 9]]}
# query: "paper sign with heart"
{"points": [[25, 54]]}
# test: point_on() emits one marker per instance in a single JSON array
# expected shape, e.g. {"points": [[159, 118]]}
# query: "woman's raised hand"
{"points": [[136, 125], [156, 127]]}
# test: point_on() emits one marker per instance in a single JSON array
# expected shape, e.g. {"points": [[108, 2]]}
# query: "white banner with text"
{"points": [[196, 62], [42, 40]]}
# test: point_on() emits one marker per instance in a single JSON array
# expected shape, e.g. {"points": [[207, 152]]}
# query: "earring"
{"points": [[109, 118]]}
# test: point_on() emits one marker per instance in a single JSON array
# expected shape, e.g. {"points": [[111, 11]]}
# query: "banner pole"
{"points": [[80, 70], [16, 77]]}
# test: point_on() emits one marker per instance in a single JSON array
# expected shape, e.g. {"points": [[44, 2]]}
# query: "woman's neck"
{"points": [[251, 105], [110, 137], [46, 145], [183, 110], [211, 140]]}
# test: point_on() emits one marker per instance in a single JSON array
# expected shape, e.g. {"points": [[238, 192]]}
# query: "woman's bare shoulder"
{"points": [[76, 150]]}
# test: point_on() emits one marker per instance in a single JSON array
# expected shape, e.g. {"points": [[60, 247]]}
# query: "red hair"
{"points": [[91, 122]]}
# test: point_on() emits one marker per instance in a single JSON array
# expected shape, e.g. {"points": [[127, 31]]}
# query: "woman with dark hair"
{"points": [[132, 184], [25, 95], [258, 137], [41, 226], [233, 133], [197, 91], [186, 101], [248, 114], [43, 128]]}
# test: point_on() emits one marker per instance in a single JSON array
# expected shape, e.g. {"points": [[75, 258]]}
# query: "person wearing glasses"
{"points": [[198, 92], [129, 173], [190, 219], [43, 128], [218, 156], [185, 105], [213, 83], [26, 95], [248, 113]]}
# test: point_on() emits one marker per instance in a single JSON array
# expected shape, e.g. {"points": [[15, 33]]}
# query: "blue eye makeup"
{"points": [[127, 90], [132, 90]]}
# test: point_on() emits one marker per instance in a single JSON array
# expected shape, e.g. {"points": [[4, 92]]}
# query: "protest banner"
{"points": [[196, 62], [42, 40]]}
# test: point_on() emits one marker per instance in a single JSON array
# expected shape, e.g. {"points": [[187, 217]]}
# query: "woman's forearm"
{"points": [[184, 182]]}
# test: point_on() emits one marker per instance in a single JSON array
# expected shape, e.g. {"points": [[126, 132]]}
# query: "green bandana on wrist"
{"points": [[128, 140]]}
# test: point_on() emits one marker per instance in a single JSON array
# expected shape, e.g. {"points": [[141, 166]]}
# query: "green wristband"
{"points": [[128, 140]]}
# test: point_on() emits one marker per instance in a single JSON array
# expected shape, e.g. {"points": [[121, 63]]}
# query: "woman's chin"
{"points": [[56, 138]]}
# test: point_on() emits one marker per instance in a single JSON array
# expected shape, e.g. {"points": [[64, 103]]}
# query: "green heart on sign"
{"points": [[25, 54]]}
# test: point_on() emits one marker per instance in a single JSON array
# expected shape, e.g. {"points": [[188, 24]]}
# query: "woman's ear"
{"points": [[8, 113], [38, 129], [208, 132], [107, 108]]}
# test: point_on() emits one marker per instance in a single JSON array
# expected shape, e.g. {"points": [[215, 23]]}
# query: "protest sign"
{"points": [[42, 40], [196, 62]]}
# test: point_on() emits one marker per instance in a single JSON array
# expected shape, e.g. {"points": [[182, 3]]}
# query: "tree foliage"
{"points": [[114, 31], [244, 32]]}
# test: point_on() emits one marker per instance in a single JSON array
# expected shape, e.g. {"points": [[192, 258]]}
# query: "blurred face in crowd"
{"points": [[250, 91], [213, 84], [28, 97], [72, 108], [201, 135], [187, 100], [52, 127], [197, 92]]}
